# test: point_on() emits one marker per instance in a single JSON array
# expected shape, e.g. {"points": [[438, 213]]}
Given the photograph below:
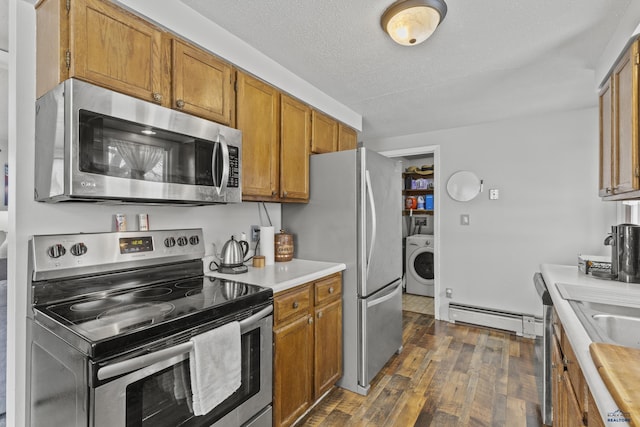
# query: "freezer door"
{"points": [[381, 332], [381, 221]]}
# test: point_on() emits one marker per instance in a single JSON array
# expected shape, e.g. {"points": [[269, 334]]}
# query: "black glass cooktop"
{"points": [[121, 319]]}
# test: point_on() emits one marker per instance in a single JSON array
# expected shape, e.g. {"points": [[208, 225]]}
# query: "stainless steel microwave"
{"points": [[94, 144]]}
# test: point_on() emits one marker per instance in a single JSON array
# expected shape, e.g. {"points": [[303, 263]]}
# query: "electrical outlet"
{"points": [[255, 233]]}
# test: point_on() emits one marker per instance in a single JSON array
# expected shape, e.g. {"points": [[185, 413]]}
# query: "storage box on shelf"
{"points": [[415, 186]]}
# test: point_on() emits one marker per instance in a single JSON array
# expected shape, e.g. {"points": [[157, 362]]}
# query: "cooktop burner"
{"points": [[148, 311]]}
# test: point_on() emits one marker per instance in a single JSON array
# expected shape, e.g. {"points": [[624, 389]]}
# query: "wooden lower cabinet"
{"points": [[293, 367], [573, 404], [307, 337]]}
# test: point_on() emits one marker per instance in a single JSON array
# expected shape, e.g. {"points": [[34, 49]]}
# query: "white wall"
{"points": [[546, 169]]}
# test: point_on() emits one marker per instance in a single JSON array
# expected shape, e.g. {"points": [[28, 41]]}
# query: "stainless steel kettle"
{"points": [[233, 252]]}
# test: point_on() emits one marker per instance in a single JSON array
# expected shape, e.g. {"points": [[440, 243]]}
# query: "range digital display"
{"points": [[130, 245]]}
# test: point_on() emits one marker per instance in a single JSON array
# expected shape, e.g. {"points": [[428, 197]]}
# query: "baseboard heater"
{"points": [[522, 324]]}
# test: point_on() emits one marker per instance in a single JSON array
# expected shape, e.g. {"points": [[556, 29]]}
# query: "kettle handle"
{"points": [[245, 247]]}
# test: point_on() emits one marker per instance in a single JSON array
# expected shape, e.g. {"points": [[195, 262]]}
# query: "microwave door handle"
{"points": [[222, 186]]}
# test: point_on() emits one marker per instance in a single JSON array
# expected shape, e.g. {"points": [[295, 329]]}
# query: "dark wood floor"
{"points": [[447, 375]]}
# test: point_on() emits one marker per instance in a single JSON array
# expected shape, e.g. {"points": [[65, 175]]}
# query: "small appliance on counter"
{"points": [[232, 256], [624, 240]]}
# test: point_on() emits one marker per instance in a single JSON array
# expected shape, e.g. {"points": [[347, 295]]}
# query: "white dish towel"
{"points": [[215, 365]]}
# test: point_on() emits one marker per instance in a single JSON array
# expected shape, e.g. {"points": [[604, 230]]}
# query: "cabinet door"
{"points": [[115, 49], [295, 133], [328, 347], [258, 117], [572, 415], [625, 98], [292, 370], [202, 83], [347, 138], [557, 371], [606, 140], [593, 414], [324, 137]]}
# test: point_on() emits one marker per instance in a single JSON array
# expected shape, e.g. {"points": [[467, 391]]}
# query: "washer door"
{"points": [[421, 266]]}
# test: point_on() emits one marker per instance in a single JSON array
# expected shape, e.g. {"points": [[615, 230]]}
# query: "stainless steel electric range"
{"points": [[112, 319]]}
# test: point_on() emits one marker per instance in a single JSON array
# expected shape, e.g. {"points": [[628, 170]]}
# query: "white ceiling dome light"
{"points": [[410, 22]]}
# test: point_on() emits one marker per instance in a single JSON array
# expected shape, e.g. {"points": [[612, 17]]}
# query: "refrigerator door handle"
{"points": [[386, 297], [374, 224]]}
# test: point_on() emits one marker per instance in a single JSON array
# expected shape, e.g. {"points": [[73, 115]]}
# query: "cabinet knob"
{"points": [[331, 290], [274, 193], [157, 97], [310, 320], [295, 304], [180, 103], [319, 315], [284, 194]]}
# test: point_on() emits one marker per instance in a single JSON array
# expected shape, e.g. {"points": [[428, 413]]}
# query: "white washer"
{"points": [[420, 268]]}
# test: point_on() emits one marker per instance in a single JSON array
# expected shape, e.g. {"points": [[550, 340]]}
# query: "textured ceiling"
{"points": [[489, 60]]}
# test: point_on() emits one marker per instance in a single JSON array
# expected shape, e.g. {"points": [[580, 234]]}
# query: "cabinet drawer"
{"points": [[292, 304], [328, 289]]}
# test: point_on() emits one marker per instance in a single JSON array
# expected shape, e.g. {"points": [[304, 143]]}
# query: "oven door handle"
{"points": [[145, 360], [249, 321]]}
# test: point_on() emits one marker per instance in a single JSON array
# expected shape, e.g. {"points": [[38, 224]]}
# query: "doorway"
{"points": [[417, 152]]}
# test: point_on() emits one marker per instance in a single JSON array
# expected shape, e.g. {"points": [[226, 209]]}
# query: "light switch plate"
{"points": [[464, 219]]}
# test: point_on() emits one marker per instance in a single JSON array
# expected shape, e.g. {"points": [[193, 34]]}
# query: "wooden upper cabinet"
{"points": [[258, 117], [295, 133], [103, 44], [100, 43], [606, 140], [347, 138], [625, 122], [324, 137], [202, 84]]}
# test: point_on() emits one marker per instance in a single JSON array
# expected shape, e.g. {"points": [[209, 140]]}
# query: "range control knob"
{"points": [[169, 242], [194, 240], [78, 249], [182, 241], [56, 251]]}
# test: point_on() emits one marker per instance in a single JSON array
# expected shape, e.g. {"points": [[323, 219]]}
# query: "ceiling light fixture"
{"points": [[410, 22]]}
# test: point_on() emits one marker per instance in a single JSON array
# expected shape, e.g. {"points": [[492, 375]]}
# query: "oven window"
{"points": [[164, 399], [118, 148]]}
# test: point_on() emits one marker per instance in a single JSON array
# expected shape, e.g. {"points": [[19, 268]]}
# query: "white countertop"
{"points": [[575, 331], [281, 275]]}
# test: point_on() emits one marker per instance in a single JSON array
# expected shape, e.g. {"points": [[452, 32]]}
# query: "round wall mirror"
{"points": [[463, 186]]}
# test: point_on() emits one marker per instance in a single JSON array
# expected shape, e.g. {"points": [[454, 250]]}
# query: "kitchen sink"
{"points": [[609, 323]]}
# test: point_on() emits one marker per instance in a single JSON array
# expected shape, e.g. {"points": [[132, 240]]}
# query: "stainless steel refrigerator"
{"points": [[354, 217]]}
